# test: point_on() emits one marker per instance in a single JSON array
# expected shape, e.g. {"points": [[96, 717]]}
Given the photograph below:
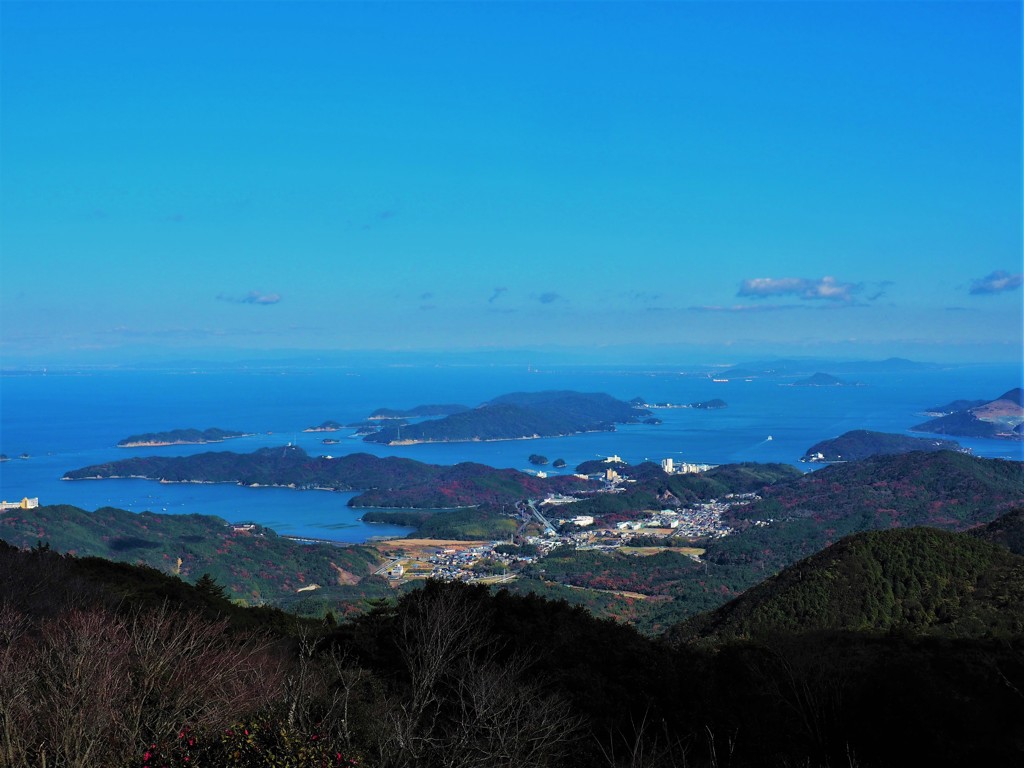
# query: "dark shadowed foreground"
{"points": [[105, 664]]}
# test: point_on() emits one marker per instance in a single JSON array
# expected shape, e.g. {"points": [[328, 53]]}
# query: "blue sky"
{"points": [[824, 178]]}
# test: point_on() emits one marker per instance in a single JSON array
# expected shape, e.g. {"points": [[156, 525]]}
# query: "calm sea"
{"points": [[70, 420]]}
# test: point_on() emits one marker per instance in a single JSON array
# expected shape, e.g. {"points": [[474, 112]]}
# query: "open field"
{"points": [[420, 547], [645, 551]]}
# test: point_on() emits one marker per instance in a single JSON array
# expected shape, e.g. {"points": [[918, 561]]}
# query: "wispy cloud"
{"points": [[496, 295], [749, 308], [996, 282], [825, 288], [252, 297], [549, 297]]}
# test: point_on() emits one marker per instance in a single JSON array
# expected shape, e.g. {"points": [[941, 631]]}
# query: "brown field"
{"points": [[420, 547], [645, 551]]}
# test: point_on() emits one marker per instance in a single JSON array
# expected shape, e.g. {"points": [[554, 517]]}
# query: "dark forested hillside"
{"points": [[133, 669], [252, 563], [919, 579]]}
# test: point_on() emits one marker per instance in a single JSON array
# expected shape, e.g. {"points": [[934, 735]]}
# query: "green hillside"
{"points": [[918, 579], [255, 565]]}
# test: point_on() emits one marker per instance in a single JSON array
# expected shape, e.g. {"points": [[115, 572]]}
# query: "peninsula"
{"points": [[385, 482], [1000, 418], [861, 443], [180, 437]]}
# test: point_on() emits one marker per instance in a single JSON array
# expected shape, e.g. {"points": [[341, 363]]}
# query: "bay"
{"points": [[69, 420]]}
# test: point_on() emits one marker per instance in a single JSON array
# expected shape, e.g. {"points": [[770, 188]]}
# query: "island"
{"points": [[702, 405], [710, 405], [999, 418], [861, 443], [520, 416], [180, 437], [537, 460], [822, 380], [327, 426]]}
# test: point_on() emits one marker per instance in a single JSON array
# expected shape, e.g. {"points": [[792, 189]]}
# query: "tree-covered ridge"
{"points": [[1006, 530], [181, 437], [861, 443], [943, 489], [253, 563], [919, 579], [520, 415], [127, 667], [388, 481]]}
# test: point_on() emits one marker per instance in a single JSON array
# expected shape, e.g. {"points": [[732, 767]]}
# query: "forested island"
{"points": [[180, 437], [823, 380], [520, 415], [326, 426], [861, 443], [709, 405]]}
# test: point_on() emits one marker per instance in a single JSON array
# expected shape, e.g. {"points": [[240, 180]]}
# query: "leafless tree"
{"points": [[463, 706]]}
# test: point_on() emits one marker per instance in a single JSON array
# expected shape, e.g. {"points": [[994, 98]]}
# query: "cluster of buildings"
{"points": [[702, 521], [25, 503], [671, 467]]}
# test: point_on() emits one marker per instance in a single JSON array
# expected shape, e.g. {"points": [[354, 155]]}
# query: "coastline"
{"points": [[165, 443], [493, 439]]}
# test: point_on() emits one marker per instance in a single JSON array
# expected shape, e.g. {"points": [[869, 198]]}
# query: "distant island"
{"points": [[708, 405], [519, 416], [180, 437], [861, 443], [420, 411], [1000, 418], [327, 426], [774, 368], [823, 380]]}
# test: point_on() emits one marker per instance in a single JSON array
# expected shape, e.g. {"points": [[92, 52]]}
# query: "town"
{"points": [[546, 526]]}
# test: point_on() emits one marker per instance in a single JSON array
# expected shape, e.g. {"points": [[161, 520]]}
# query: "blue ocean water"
{"points": [[70, 420]]}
